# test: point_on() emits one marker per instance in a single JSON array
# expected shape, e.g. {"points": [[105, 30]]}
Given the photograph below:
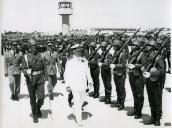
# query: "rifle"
{"points": [[141, 50], [117, 55], [106, 52], [84, 47], [159, 51], [156, 35]]}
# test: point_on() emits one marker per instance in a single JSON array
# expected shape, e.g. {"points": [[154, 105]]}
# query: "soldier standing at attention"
{"points": [[136, 63], [153, 84], [51, 59], [13, 59], [119, 74], [94, 69], [104, 64], [35, 72]]}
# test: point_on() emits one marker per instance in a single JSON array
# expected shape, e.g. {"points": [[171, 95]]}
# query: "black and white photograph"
{"points": [[85, 64]]}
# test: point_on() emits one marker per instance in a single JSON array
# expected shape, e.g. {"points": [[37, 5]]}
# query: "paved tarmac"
{"points": [[57, 114]]}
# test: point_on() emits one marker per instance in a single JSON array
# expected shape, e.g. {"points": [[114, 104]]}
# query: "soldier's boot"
{"points": [[35, 119], [138, 115], [157, 119], [132, 113], [92, 94], [151, 120], [34, 113], [139, 109], [38, 108], [38, 112], [96, 95], [108, 100], [121, 106], [16, 98]]}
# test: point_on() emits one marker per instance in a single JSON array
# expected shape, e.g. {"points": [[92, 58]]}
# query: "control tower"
{"points": [[65, 10]]}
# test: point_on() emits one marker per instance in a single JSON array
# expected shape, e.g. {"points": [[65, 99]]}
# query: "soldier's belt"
{"points": [[34, 73]]}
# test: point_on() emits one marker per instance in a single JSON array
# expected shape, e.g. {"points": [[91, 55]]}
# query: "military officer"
{"points": [[51, 59], [153, 84], [119, 74], [136, 63], [13, 69], [104, 64], [94, 69], [35, 72]]}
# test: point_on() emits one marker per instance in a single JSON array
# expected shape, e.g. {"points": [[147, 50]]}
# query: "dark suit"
{"points": [[51, 59]]}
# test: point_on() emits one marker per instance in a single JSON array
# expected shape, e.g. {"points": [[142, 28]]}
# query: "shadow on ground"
{"points": [[21, 96], [128, 108], [85, 116], [56, 94], [45, 113]]}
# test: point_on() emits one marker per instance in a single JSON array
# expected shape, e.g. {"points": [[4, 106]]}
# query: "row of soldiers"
{"points": [[111, 57]]}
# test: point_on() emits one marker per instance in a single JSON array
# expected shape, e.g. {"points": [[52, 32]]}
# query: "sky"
{"points": [[42, 15]]}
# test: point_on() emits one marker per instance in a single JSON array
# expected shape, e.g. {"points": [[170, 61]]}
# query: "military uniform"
{"points": [[51, 59], [13, 71], [106, 74], [94, 70], [35, 80], [154, 86], [136, 79], [119, 75]]}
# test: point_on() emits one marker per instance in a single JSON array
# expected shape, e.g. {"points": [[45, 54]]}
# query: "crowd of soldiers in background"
{"points": [[130, 50]]}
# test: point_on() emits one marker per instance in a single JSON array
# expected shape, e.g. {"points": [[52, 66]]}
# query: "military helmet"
{"points": [[136, 43], [153, 43], [117, 43], [103, 44], [32, 42], [49, 43], [93, 44]]}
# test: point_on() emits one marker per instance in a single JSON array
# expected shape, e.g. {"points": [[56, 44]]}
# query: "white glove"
{"points": [[143, 68], [112, 66], [100, 64], [28, 71], [46, 83], [146, 74], [131, 66]]}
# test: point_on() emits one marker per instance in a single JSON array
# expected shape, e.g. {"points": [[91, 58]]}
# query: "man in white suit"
{"points": [[76, 76]]}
